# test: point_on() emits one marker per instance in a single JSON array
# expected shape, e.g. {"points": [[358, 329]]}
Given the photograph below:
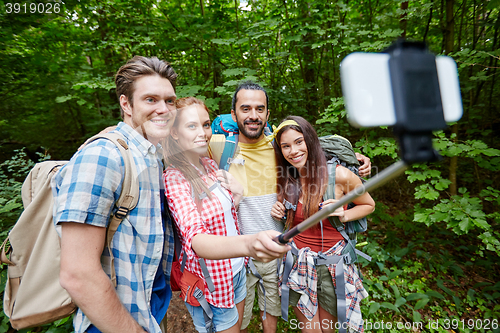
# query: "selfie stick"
{"points": [[419, 111]]}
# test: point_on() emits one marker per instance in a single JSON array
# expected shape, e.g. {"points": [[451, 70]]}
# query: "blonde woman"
{"points": [[203, 202]]}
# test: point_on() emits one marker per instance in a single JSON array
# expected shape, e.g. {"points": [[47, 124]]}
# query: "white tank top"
{"points": [[225, 200]]}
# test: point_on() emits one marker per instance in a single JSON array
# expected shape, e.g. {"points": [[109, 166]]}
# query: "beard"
{"points": [[254, 134]]}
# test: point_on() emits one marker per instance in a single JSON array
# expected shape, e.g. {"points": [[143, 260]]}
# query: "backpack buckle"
{"points": [[239, 161], [321, 256], [347, 258], [122, 212], [198, 293], [340, 228], [289, 205]]}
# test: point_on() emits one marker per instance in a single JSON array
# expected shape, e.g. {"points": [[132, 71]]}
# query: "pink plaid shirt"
{"points": [[190, 223]]}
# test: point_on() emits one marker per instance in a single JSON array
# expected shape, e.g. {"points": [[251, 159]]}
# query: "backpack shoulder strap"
{"points": [[334, 220], [129, 195], [229, 151], [330, 194], [330, 191]]}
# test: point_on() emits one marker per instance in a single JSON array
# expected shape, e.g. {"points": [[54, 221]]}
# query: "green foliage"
{"points": [[465, 211], [421, 279], [461, 213], [380, 147], [333, 118], [12, 174], [57, 89], [334, 113]]}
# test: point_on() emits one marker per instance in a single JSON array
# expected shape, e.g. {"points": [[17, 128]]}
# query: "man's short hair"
{"points": [[138, 67], [248, 85]]}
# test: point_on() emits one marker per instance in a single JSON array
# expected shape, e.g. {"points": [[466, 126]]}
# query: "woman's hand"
{"points": [[340, 212], [278, 211], [262, 247], [259, 246], [228, 181]]}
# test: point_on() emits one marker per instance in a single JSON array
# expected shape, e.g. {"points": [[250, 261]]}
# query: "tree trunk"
{"points": [[403, 20], [309, 63], [493, 63], [428, 23], [449, 34], [454, 164], [464, 10], [202, 8], [449, 44], [236, 2], [108, 58], [370, 15]]}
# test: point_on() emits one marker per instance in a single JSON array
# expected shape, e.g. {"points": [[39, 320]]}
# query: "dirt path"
{"points": [[178, 318]]}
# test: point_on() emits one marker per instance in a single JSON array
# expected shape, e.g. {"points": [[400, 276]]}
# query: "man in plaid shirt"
{"points": [[85, 192]]}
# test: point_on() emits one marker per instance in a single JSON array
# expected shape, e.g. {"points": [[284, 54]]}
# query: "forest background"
{"points": [[435, 234]]}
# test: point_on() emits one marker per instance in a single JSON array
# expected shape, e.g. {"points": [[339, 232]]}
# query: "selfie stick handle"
{"points": [[383, 177]]}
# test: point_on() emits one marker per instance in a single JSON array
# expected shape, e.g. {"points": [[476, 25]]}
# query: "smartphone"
{"points": [[368, 93]]}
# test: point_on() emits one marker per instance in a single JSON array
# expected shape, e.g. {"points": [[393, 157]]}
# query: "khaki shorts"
{"points": [[273, 302], [327, 298]]}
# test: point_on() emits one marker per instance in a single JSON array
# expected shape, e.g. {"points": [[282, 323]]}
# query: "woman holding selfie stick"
{"points": [[203, 202], [302, 181]]}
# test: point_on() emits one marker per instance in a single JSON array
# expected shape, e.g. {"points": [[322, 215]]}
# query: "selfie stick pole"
{"points": [[383, 177]]}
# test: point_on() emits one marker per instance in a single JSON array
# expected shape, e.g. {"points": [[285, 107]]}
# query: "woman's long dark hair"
{"points": [[315, 172]]}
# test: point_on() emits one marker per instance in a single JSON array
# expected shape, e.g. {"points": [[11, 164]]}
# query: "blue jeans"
{"points": [[223, 318]]}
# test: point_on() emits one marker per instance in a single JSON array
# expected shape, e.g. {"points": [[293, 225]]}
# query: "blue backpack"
{"points": [[224, 124]]}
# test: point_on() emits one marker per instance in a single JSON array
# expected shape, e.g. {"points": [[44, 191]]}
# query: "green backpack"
{"points": [[338, 151]]}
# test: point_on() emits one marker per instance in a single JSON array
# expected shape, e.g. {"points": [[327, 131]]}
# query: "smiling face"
{"points": [[250, 114], [193, 131], [152, 112], [294, 148]]}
